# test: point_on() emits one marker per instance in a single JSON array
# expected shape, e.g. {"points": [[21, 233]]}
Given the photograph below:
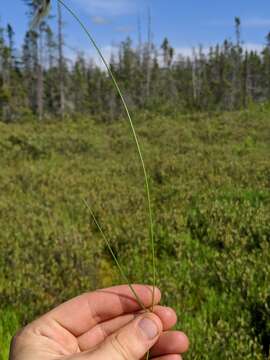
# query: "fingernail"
{"points": [[149, 328]]}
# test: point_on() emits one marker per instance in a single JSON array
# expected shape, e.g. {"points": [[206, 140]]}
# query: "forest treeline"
{"points": [[38, 80]]}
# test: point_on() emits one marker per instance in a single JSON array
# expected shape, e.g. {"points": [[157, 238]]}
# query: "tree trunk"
{"points": [[61, 62], [40, 85], [149, 46]]}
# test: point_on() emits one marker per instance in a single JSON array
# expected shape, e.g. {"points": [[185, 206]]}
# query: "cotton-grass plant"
{"points": [[42, 11]]}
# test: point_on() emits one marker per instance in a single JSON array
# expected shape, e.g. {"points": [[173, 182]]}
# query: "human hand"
{"points": [[105, 324]]}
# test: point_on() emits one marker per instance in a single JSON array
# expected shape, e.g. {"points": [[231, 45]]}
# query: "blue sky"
{"points": [[185, 23]]}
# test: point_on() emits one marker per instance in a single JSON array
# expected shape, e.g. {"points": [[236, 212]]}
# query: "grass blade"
{"points": [[147, 187], [107, 241], [41, 13]]}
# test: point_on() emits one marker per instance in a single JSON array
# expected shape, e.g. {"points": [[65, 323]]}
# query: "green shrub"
{"points": [[210, 184]]}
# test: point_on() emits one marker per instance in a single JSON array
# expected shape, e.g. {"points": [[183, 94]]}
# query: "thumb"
{"points": [[132, 341]]}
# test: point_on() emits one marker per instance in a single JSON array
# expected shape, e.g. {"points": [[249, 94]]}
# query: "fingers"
{"points": [[131, 342], [170, 342], [82, 313], [167, 316], [169, 357], [98, 333]]}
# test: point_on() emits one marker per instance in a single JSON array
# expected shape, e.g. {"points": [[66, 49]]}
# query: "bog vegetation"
{"points": [[205, 130], [210, 182]]}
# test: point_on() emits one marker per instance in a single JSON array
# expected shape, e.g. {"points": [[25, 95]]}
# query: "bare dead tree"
{"points": [[61, 61], [40, 80], [149, 48]]}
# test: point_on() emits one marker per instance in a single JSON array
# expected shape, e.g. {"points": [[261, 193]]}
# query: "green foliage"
{"points": [[9, 323], [210, 183]]}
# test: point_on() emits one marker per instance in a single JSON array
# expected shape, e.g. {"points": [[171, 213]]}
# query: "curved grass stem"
{"points": [[108, 244], [107, 241], [147, 187], [42, 11]]}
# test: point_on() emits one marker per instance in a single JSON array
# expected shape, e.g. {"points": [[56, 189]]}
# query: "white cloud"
{"points": [[184, 51], [253, 46], [100, 20], [107, 7], [191, 51], [107, 52], [124, 29]]}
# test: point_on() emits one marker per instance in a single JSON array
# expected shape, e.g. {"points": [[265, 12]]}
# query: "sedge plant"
{"points": [[43, 11]]}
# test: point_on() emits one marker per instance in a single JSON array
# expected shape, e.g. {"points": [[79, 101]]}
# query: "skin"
{"points": [[105, 324]]}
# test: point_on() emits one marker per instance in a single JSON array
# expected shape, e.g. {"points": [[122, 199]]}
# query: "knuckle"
{"points": [[21, 335], [17, 339], [121, 349]]}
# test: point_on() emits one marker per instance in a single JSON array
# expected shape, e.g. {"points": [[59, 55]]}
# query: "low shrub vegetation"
{"points": [[210, 178]]}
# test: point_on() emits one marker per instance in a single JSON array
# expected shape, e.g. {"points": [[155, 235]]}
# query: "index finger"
{"points": [[85, 311]]}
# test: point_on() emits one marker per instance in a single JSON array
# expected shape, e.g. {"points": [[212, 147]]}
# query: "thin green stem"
{"points": [[42, 11], [147, 187], [108, 243]]}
